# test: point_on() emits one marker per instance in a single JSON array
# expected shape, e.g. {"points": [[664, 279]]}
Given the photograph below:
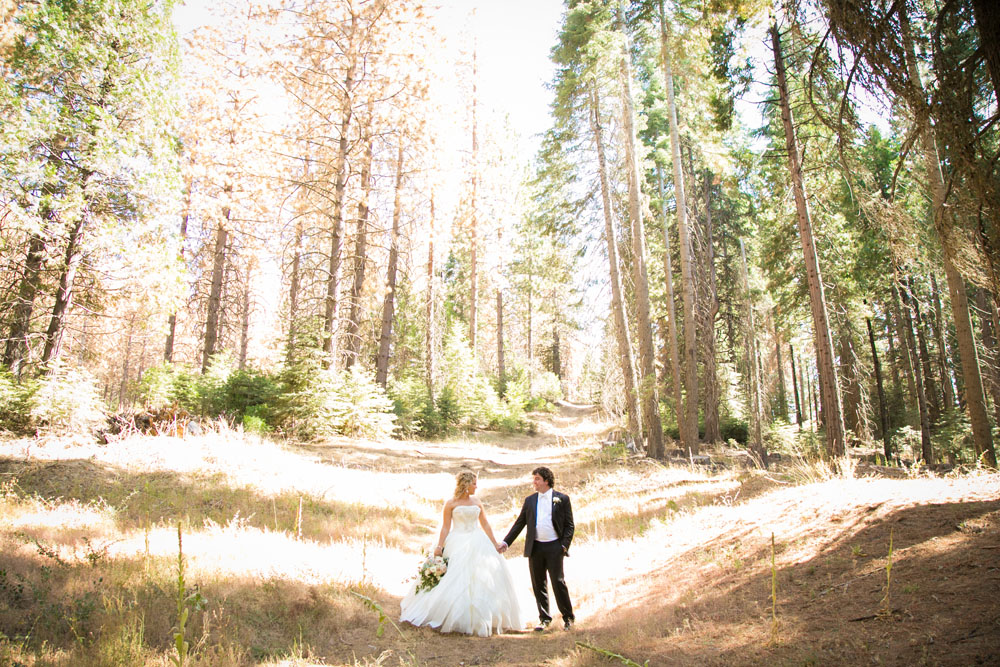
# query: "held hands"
{"points": [[501, 547]]}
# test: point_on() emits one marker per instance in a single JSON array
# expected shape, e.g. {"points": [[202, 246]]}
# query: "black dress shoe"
{"points": [[567, 624], [541, 626]]}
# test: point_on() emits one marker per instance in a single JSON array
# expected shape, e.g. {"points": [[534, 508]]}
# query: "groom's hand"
{"points": [[502, 547]]}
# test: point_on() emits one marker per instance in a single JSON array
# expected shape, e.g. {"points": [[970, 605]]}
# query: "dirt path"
{"points": [[674, 566], [671, 565]]}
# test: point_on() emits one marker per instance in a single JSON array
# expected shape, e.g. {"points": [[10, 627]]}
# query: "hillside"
{"points": [[671, 565]]}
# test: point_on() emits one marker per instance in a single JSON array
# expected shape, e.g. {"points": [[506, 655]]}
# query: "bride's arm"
{"points": [[486, 524], [445, 528]]}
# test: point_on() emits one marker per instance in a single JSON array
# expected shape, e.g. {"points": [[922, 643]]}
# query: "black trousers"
{"points": [[547, 559]]}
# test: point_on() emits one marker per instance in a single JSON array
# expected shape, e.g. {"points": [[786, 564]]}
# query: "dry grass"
{"points": [[671, 565]]}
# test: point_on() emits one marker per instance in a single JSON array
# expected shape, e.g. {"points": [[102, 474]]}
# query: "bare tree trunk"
{"points": [[353, 343], [245, 325], [66, 289], [897, 385], [168, 348], [474, 231], [293, 290], [882, 413], [123, 387], [429, 360], [215, 293], [930, 388], [926, 453], [987, 15], [975, 396], [389, 304], [330, 306], [948, 392], [782, 391], [989, 316], [688, 421], [833, 418], [713, 433], [908, 354], [647, 356], [855, 414], [622, 336], [795, 386], [752, 378], [671, 332], [16, 349]]}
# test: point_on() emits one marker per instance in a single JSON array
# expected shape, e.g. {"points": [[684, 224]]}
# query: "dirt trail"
{"points": [[670, 565], [674, 566]]}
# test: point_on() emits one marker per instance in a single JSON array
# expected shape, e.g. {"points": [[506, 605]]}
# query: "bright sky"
{"points": [[514, 38]]}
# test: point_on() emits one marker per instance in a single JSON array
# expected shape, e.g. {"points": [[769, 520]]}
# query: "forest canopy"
{"points": [[302, 218]]}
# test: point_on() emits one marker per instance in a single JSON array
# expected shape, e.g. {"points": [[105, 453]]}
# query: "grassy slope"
{"points": [[671, 565]]}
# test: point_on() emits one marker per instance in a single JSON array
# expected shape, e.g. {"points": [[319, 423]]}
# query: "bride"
{"points": [[476, 595]]}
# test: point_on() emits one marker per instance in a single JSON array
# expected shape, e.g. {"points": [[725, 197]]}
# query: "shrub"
{"points": [[347, 402], [547, 386], [248, 392], [15, 402], [66, 400], [168, 384], [412, 405], [732, 428]]}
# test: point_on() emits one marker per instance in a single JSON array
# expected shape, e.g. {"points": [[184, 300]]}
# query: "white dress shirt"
{"points": [[544, 530]]}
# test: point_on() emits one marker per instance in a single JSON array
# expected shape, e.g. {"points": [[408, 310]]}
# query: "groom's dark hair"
{"points": [[545, 474]]}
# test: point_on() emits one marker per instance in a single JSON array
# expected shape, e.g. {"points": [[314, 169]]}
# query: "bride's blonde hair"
{"points": [[463, 481]]}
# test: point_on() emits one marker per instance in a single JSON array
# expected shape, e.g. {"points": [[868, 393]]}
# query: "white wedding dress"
{"points": [[476, 595]]}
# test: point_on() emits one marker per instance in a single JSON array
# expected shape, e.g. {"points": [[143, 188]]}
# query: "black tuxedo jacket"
{"points": [[562, 521]]}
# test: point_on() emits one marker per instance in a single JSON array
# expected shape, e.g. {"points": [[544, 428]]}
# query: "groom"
{"points": [[549, 518]]}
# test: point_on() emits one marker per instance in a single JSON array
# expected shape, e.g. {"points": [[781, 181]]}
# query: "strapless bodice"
{"points": [[465, 518]]}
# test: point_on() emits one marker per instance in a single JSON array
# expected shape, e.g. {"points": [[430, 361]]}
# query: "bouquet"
{"points": [[431, 571]]}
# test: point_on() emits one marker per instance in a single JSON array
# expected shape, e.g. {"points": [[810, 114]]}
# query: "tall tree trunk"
{"points": [[855, 413], [833, 418], [751, 354], [671, 332], [168, 348], [389, 304], [782, 391], [353, 342], [331, 304], [648, 394], [987, 15], [897, 385], [215, 292], [16, 349], [882, 411], [688, 421], [795, 386], [947, 393], [245, 324], [989, 316], [622, 336], [810, 398], [123, 386], [713, 432], [926, 453], [975, 397], [930, 387], [66, 289], [429, 358], [293, 290], [908, 354], [501, 362], [474, 222]]}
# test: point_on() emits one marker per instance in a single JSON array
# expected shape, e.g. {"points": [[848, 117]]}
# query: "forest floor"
{"points": [[304, 551]]}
